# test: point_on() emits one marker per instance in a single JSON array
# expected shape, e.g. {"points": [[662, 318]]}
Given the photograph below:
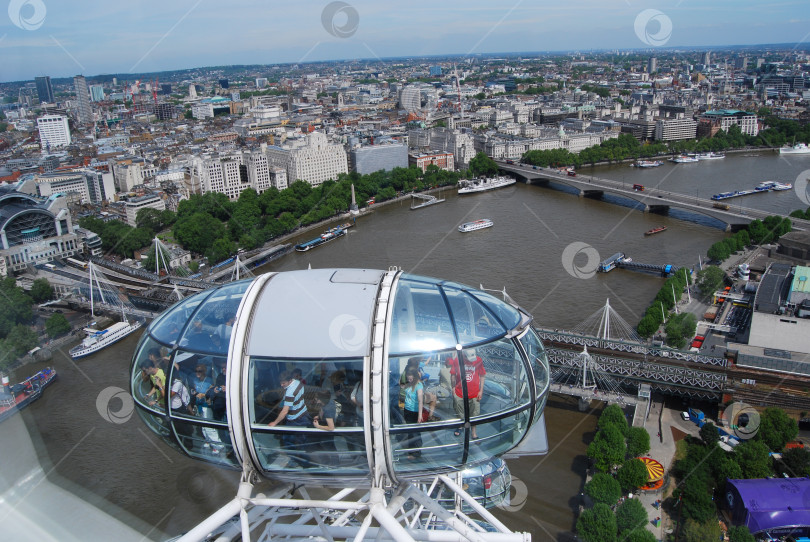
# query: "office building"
{"points": [[652, 65], [673, 129], [230, 174], [373, 158], [315, 162], [442, 160], [53, 132], [149, 201], [84, 111], [44, 89], [96, 93], [725, 118], [88, 185]]}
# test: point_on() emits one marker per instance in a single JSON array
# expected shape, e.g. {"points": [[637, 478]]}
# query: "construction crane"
{"points": [[458, 89], [154, 92]]}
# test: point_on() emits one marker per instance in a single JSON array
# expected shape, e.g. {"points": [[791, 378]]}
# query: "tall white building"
{"points": [[315, 162], [53, 131], [96, 93], [127, 175]]}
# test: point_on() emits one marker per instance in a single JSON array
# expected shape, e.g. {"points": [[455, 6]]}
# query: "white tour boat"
{"points": [[97, 339], [710, 156], [476, 225], [798, 148], [684, 159], [480, 185]]}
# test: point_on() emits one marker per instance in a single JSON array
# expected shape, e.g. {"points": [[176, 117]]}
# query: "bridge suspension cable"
{"points": [[607, 324]]}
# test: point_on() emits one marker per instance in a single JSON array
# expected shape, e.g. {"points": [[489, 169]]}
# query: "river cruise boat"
{"points": [[684, 159], [798, 148], [710, 156], [329, 235], [96, 339], [481, 185], [476, 225], [649, 163]]}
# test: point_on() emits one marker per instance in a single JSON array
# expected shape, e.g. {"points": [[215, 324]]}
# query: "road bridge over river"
{"points": [[652, 198]]}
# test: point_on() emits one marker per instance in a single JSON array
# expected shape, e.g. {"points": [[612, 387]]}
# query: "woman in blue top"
{"points": [[414, 402]]}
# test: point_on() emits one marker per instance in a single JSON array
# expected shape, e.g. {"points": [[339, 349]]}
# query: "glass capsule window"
{"points": [[307, 415]]}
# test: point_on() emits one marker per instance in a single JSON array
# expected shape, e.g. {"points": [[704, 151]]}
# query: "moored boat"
{"points": [[710, 156], [329, 235], [96, 339], [653, 231], [469, 186], [14, 398], [476, 225], [648, 163], [684, 159], [798, 148]]}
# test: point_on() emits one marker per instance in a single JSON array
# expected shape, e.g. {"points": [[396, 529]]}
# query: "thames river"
{"points": [[541, 250]]}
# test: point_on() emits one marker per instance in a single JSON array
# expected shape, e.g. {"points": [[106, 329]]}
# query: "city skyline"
{"points": [[40, 38]]}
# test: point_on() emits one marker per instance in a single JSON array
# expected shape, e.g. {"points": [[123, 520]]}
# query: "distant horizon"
{"points": [[642, 50], [60, 40]]}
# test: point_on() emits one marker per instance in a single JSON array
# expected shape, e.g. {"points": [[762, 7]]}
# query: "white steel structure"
{"points": [[285, 346]]}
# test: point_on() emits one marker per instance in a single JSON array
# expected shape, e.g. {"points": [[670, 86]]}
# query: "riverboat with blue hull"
{"points": [[329, 235], [14, 398]]}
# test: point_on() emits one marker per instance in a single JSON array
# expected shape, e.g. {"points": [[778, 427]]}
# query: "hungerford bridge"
{"points": [[652, 198], [603, 357]]}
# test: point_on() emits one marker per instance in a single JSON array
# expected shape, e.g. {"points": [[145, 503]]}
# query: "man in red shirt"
{"points": [[474, 374]]}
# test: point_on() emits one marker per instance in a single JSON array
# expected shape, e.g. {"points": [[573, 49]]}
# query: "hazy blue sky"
{"points": [[65, 38]]}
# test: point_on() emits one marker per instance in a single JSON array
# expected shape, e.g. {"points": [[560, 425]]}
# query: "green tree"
{"points": [[753, 459], [638, 441], [41, 290], [639, 535], [705, 531], [482, 164], [56, 325], [740, 534], [22, 339], [632, 474], [613, 415], [710, 279], [603, 488], [607, 449], [198, 231], [796, 462], [776, 428], [631, 516], [709, 434], [597, 524]]}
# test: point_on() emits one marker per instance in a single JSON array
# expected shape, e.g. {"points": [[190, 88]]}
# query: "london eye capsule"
{"points": [[342, 375]]}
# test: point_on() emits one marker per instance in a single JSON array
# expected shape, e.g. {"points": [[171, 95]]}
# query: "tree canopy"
{"points": [[632, 474], [41, 290], [597, 524], [631, 515], [604, 488]]}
